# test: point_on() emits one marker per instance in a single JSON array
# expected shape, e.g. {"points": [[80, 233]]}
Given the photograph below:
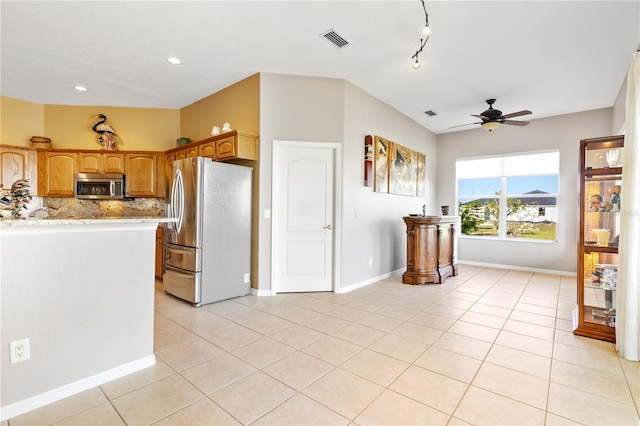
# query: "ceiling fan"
{"points": [[492, 118]]}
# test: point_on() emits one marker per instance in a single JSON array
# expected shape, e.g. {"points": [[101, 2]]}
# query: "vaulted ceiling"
{"points": [[551, 57]]}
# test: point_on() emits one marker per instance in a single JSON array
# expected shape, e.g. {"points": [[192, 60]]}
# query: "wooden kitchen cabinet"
{"points": [[207, 149], [18, 163], [159, 252], [56, 170], [142, 175], [430, 249], [238, 145], [168, 159], [229, 146], [191, 151], [100, 162]]}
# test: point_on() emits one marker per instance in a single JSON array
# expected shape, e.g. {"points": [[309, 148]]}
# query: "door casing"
{"points": [[278, 147]]}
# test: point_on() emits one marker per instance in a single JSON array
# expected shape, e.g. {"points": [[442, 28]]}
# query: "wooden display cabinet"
{"points": [[600, 194], [430, 249]]}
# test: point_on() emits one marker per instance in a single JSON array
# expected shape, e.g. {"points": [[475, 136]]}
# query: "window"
{"points": [[510, 196]]}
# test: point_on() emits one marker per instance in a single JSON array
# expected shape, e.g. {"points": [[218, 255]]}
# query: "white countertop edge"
{"points": [[69, 221], [60, 226]]}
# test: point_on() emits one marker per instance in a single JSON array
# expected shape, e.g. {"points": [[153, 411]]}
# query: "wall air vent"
{"points": [[334, 38], [431, 113]]}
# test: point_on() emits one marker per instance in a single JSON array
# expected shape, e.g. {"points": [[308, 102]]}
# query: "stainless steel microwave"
{"points": [[96, 186]]}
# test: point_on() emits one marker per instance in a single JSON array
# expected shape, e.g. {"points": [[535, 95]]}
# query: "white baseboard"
{"points": [[260, 293], [518, 268], [360, 284], [29, 404]]}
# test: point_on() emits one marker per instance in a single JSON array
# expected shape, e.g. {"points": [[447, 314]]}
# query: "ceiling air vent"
{"points": [[430, 113], [334, 38]]}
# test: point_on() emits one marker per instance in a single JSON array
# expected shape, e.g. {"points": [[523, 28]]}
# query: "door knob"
{"points": [[327, 227]]}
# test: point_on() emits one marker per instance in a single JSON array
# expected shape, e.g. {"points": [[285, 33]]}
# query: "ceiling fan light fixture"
{"points": [[490, 125]]}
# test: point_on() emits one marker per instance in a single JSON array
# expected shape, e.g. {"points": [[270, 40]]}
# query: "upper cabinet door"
{"points": [[141, 174], [18, 163], [100, 162], [192, 151], [89, 162], [207, 149], [226, 148], [112, 163], [55, 173]]}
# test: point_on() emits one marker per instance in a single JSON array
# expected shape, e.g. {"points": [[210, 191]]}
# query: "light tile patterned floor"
{"points": [[488, 347]]}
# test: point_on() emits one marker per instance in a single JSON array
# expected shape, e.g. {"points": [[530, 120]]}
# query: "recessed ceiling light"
{"points": [[80, 88], [174, 61]]}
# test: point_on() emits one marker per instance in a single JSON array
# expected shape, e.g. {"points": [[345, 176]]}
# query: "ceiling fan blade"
{"points": [[515, 123], [517, 114], [462, 125], [481, 117]]}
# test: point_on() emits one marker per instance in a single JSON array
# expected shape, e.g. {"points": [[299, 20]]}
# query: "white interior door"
{"points": [[303, 216]]}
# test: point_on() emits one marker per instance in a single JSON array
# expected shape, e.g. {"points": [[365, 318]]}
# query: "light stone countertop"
{"points": [[85, 221]]}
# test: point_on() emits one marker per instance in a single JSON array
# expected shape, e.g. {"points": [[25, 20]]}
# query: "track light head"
{"points": [[424, 36]]}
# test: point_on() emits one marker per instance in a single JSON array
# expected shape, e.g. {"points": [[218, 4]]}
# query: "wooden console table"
{"points": [[430, 249]]}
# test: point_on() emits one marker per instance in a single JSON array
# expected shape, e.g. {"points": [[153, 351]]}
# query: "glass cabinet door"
{"points": [[601, 196]]}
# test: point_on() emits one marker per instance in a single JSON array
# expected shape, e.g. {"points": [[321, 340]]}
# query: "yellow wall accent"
{"points": [[238, 104], [19, 120], [144, 129]]}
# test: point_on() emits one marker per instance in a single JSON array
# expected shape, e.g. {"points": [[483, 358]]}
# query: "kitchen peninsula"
{"points": [[82, 292]]}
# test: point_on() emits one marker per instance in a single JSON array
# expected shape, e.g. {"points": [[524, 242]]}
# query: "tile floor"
{"points": [[487, 347]]}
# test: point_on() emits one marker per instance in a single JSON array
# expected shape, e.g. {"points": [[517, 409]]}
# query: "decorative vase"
{"points": [[602, 235]]}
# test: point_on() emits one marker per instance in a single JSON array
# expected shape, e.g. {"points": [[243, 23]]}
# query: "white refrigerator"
{"points": [[207, 252]]}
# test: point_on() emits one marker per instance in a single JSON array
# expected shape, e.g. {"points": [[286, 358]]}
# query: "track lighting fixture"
{"points": [[424, 36]]}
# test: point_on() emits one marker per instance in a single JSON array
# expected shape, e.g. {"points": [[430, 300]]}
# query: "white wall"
{"points": [[372, 223], [619, 109], [299, 109], [561, 132], [83, 295], [333, 110]]}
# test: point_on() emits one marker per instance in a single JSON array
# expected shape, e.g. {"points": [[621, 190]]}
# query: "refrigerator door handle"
{"points": [[177, 199], [174, 250], [180, 272]]}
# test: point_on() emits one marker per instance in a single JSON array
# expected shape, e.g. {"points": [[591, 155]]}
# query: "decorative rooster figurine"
{"points": [[107, 139]]}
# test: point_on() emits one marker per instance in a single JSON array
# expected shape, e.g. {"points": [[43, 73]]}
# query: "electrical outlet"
{"points": [[371, 261], [19, 351], [247, 278]]}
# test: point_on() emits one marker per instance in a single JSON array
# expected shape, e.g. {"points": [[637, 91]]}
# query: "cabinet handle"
{"points": [[327, 227]]}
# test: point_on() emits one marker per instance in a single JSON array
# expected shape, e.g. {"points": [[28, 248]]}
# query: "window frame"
{"points": [[498, 162]]}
